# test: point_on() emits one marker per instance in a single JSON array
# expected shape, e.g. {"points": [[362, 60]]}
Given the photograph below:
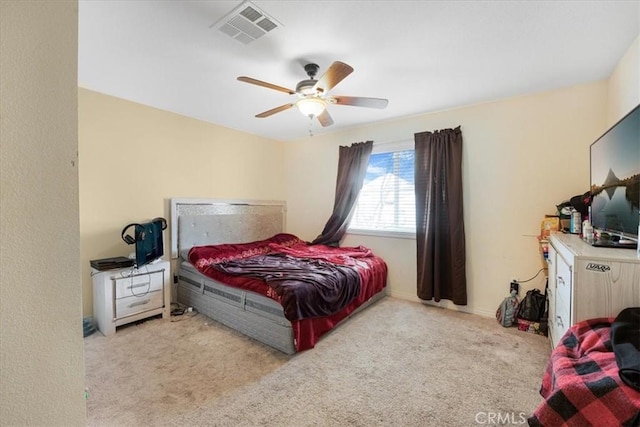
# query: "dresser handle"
{"points": [[559, 322], [143, 302], [561, 280]]}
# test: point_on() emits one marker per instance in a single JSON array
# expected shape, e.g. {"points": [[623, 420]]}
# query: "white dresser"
{"points": [[125, 295], [587, 282]]}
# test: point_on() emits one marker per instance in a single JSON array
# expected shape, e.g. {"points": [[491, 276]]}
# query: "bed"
{"points": [[593, 375], [231, 258]]}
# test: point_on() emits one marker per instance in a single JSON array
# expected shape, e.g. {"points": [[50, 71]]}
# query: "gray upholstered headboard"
{"points": [[196, 222]]}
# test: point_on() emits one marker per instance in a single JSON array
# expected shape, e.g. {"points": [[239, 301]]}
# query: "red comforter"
{"points": [[371, 271]]}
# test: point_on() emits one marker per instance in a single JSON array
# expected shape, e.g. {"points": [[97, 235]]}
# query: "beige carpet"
{"points": [[398, 363]]}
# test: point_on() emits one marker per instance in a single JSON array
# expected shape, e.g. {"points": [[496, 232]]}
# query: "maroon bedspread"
{"points": [[372, 272], [582, 386], [307, 287]]}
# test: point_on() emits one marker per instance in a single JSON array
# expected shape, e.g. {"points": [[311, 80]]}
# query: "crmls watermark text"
{"points": [[598, 267], [500, 418]]}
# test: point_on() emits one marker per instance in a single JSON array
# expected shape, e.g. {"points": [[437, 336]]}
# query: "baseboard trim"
{"points": [[443, 304]]}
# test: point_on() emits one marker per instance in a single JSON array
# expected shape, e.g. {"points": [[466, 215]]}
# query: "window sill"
{"points": [[381, 233]]}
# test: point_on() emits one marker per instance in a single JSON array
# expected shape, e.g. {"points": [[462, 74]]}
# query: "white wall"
{"points": [[41, 362], [522, 156]]}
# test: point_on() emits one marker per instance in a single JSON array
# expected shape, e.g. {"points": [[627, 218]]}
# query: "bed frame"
{"points": [[196, 222]]}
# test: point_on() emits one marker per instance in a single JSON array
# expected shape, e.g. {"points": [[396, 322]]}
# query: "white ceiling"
{"points": [[421, 55]]}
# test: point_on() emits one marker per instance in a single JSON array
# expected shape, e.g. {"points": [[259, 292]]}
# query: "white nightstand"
{"points": [[125, 295]]}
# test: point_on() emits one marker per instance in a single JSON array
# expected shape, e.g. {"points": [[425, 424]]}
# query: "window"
{"points": [[386, 204]]}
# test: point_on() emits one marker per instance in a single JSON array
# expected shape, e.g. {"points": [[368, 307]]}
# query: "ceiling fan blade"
{"points": [[265, 84], [274, 111], [358, 101], [325, 118], [334, 75]]}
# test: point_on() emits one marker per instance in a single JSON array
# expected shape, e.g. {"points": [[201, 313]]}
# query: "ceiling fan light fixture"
{"points": [[311, 106]]}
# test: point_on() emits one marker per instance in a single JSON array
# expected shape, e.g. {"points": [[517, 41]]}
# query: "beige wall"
{"points": [[624, 85], [522, 156], [41, 354], [134, 159]]}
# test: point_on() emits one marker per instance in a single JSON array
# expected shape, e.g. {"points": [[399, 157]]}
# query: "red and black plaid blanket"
{"points": [[582, 385]]}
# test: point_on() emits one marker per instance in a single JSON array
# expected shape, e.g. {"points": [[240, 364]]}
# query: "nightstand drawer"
{"points": [[138, 284], [137, 304]]}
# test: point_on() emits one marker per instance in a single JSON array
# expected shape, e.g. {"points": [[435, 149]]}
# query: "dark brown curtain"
{"points": [[439, 222], [352, 168]]}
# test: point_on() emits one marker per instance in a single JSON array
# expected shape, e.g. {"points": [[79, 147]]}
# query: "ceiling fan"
{"points": [[312, 93]]}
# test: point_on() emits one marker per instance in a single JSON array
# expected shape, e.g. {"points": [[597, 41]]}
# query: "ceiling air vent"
{"points": [[246, 23]]}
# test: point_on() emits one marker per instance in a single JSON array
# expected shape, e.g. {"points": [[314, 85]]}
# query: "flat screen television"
{"points": [[615, 183], [148, 240], [149, 244]]}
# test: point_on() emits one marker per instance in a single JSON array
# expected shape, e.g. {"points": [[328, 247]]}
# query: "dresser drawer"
{"points": [[138, 284], [137, 304], [562, 318], [563, 282]]}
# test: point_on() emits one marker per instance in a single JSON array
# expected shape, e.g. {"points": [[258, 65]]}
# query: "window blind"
{"points": [[387, 199]]}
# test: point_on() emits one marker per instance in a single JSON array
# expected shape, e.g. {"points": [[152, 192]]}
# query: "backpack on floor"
{"points": [[532, 306], [506, 313]]}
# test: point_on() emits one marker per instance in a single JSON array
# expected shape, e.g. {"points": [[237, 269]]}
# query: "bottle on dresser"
{"points": [[587, 228], [575, 226]]}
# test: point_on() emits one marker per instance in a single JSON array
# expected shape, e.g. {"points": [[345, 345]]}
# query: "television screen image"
{"points": [[615, 181]]}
